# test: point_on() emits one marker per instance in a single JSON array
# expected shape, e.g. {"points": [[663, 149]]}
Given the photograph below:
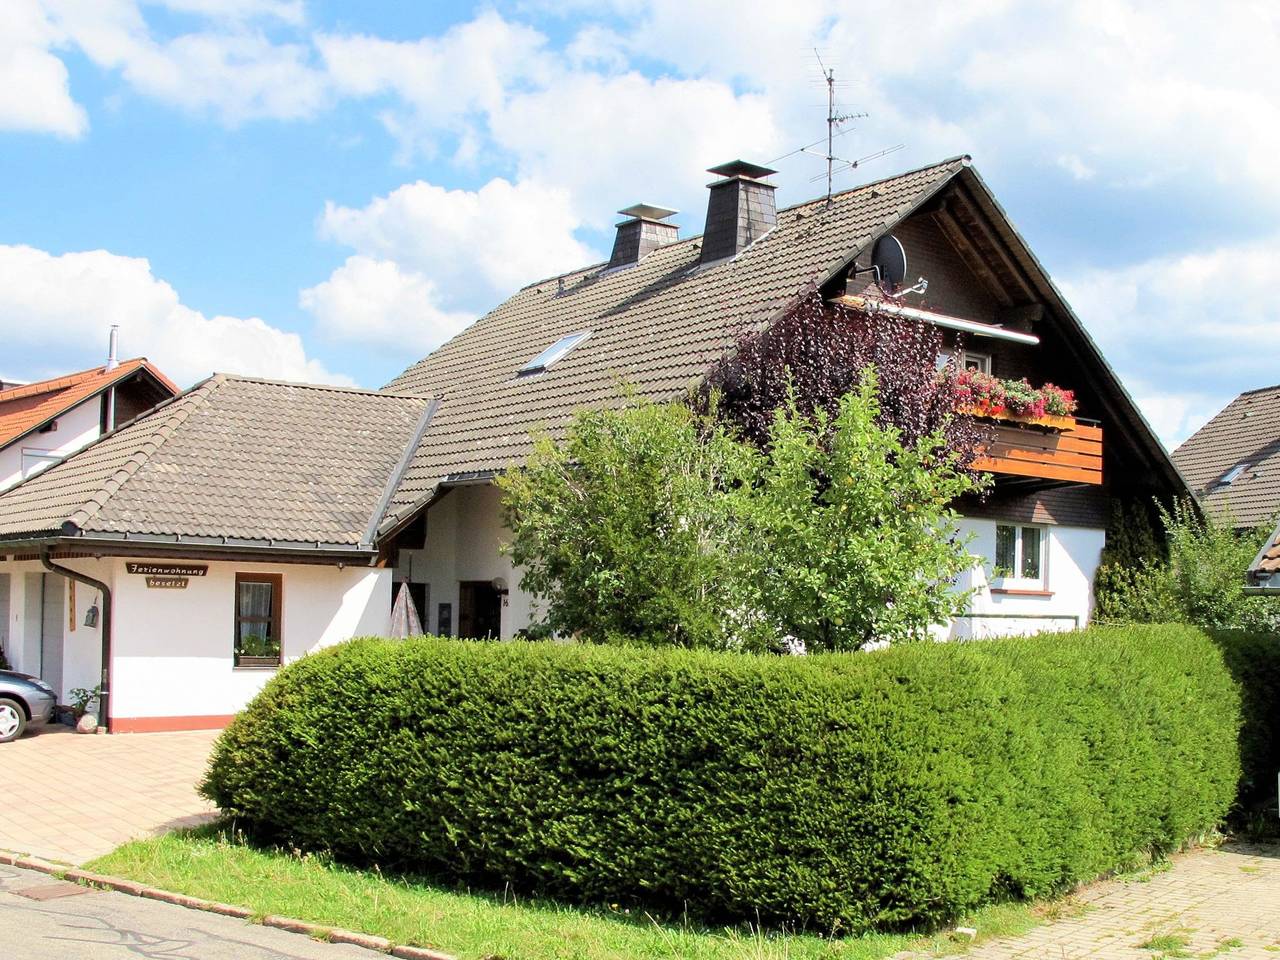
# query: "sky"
{"points": [[317, 190]]}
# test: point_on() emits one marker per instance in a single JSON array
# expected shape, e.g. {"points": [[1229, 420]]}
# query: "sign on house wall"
{"points": [[168, 576]]}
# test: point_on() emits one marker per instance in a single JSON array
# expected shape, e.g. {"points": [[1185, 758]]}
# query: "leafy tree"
{"points": [[625, 531], [853, 536], [818, 352]]}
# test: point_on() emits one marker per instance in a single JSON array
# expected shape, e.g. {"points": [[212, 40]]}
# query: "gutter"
{"points": [[103, 698], [871, 305]]}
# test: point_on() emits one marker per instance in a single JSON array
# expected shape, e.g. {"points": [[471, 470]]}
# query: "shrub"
{"points": [[840, 792], [1254, 661], [1201, 581], [818, 352]]}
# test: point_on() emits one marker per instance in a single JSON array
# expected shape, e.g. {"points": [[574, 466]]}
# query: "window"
{"points": [[257, 639], [1019, 559], [556, 351], [1232, 475], [33, 461], [968, 360]]}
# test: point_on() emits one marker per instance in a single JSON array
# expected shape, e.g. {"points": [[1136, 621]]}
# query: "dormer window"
{"points": [[543, 361], [1232, 475]]}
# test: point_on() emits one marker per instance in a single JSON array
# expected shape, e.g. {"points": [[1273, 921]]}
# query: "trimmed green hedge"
{"points": [[839, 792], [1254, 661]]}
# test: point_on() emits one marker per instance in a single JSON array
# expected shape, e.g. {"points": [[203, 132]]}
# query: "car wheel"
{"points": [[12, 720]]}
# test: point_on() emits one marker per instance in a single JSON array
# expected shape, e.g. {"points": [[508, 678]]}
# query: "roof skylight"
{"points": [[1232, 475], [553, 353]]}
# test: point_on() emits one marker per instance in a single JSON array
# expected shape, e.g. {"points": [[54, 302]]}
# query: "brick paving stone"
{"points": [[1209, 896], [84, 796]]}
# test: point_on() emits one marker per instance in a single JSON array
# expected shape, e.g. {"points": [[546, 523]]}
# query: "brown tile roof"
{"points": [[1268, 561], [1246, 432], [236, 458], [26, 407], [656, 325]]}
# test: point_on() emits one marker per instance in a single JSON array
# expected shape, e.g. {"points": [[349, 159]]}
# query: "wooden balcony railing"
{"points": [[1057, 448]]}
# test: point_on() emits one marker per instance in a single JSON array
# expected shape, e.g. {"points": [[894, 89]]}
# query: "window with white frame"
{"points": [[1020, 556], [967, 360]]}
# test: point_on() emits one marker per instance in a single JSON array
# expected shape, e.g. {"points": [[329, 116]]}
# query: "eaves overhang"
{"points": [[229, 548]]}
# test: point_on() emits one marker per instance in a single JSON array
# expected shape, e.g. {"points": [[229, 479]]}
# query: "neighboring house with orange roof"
{"points": [[43, 423]]}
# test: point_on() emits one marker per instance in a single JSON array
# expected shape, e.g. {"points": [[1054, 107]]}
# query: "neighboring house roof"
{"points": [[24, 408], [1264, 574], [1246, 433], [658, 325], [234, 460]]}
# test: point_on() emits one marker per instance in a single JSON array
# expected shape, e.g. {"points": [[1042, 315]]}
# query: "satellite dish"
{"points": [[890, 261]]}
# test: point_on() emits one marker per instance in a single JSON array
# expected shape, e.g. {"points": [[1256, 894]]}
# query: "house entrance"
{"points": [[479, 610]]}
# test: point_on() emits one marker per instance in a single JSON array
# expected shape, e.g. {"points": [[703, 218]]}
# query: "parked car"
{"points": [[25, 701]]}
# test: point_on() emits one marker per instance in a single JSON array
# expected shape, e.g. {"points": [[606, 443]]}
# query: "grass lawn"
{"points": [[481, 926]]}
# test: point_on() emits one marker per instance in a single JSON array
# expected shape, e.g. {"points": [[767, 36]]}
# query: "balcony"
{"points": [[1055, 449]]}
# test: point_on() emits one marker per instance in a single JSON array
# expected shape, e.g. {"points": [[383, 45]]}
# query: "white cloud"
{"points": [[616, 140], [376, 302], [472, 245], [66, 303], [35, 93], [1186, 332], [444, 84], [234, 71]]}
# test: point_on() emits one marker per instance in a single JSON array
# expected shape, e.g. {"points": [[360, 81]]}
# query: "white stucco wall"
{"points": [[81, 646], [465, 535], [1072, 557], [173, 648], [77, 428]]}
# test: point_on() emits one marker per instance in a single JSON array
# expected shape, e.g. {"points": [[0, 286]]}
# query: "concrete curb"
{"points": [[314, 930]]}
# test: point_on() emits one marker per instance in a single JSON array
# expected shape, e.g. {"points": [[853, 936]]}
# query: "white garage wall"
{"points": [[173, 648]]}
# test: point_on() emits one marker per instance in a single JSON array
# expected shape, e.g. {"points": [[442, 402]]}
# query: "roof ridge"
{"points": [[64, 381], [200, 393], [1245, 393], [963, 158], [268, 381]]}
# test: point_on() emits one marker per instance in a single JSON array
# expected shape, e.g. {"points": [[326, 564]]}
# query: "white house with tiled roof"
{"points": [[292, 515]]}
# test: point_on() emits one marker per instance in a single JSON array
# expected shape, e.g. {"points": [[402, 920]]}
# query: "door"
{"points": [[479, 610], [51, 631]]}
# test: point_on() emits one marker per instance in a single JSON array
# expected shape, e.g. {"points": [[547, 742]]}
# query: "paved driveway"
{"points": [[1222, 902], [72, 798]]}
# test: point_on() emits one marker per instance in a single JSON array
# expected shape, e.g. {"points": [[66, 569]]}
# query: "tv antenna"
{"points": [[834, 120]]}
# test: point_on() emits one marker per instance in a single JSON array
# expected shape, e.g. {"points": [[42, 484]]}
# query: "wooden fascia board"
{"points": [[1107, 386], [970, 256]]}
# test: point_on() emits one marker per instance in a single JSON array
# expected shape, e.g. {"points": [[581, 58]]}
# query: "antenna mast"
{"points": [[829, 75]]}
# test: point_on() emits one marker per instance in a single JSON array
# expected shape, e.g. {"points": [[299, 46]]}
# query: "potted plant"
{"points": [[81, 698], [258, 650]]}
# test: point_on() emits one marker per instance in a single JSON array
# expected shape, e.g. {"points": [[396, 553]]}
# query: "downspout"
{"points": [[105, 623]]}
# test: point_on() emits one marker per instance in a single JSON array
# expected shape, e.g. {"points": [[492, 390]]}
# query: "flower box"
{"points": [[1046, 420]]}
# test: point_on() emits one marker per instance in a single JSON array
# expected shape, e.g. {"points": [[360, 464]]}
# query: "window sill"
{"points": [[256, 666], [1016, 592]]}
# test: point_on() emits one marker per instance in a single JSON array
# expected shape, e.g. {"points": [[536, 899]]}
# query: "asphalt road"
{"points": [[104, 925]]}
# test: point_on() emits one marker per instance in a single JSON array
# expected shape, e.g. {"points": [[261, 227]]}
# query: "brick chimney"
{"points": [[641, 233], [740, 210]]}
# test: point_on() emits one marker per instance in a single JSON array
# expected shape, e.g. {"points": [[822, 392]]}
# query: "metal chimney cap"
{"points": [[741, 168], [647, 211]]}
